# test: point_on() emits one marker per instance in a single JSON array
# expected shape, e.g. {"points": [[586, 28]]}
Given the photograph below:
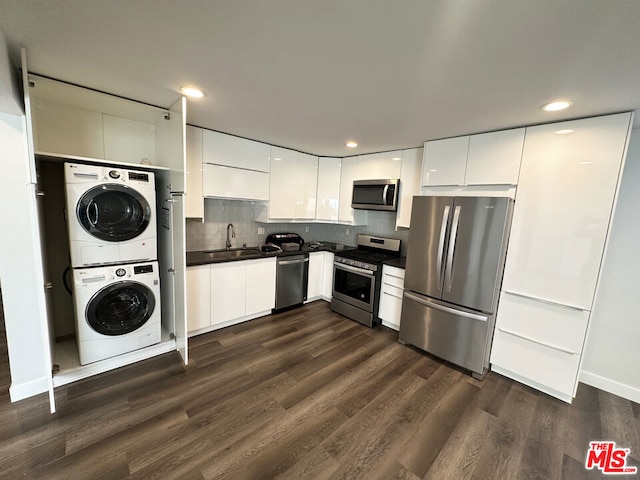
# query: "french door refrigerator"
{"points": [[455, 261]]}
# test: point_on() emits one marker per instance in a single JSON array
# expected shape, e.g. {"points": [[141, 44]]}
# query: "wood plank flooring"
{"points": [[305, 394]]}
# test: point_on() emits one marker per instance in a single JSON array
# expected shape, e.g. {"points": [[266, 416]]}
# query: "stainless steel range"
{"points": [[356, 278]]}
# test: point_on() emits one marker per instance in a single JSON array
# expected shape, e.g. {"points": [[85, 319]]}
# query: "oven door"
{"points": [[355, 286]]}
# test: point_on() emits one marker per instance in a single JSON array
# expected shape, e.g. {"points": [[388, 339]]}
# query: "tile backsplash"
{"points": [[218, 213]]}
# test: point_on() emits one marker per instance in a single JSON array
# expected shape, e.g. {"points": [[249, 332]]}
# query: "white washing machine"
{"points": [[111, 215], [117, 309]]}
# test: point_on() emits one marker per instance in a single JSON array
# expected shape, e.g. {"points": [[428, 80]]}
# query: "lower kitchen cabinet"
{"points": [[316, 271], [391, 296], [327, 277], [221, 294]]}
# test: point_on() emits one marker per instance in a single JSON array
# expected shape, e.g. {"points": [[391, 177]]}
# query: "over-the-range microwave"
{"points": [[375, 194]]}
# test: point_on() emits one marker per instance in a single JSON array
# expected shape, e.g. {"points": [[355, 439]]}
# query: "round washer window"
{"points": [[113, 213], [120, 308]]}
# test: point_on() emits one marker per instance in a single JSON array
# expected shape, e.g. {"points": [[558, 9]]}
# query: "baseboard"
{"points": [[21, 391], [611, 386]]}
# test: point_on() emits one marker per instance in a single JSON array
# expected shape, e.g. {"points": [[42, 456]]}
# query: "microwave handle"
{"points": [[384, 194]]}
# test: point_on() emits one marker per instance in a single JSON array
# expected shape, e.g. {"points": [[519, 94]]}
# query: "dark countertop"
{"points": [[400, 262], [202, 257]]}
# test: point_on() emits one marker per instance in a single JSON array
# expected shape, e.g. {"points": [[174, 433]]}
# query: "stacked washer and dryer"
{"points": [[111, 218]]}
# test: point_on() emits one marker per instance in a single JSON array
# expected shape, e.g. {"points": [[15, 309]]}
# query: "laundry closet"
{"points": [[110, 199]]}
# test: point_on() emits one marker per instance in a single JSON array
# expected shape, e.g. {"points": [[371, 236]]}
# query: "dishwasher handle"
{"points": [[291, 262]]}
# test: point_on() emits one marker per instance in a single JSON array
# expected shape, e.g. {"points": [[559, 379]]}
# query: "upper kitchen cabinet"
{"points": [[293, 186], [328, 195], [379, 165], [234, 167], [231, 151], [194, 201], [494, 158], [409, 184], [445, 162], [348, 174]]}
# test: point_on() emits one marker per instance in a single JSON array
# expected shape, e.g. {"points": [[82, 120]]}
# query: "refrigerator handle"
{"points": [[442, 308], [443, 233], [452, 248]]}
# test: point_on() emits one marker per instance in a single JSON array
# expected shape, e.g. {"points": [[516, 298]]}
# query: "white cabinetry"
{"points": [[316, 271], [221, 294], [390, 307], [445, 162], [346, 214], [198, 297], [485, 159], [327, 277], [127, 140], [293, 185], [228, 182], [328, 196], [409, 184], [566, 192], [379, 165], [494, 158], [194, 201], [223, 149]]}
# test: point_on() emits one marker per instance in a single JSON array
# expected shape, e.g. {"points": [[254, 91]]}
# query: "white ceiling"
{"points": [[312, 74]]}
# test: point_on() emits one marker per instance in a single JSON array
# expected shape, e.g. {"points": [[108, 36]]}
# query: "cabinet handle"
{"points": [[548, 302], [392, 295], [394, 276], [525, 337]]}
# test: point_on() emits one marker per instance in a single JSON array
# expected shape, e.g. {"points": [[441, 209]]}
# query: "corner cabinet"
{"points": [[348, 174], [566, 193]]}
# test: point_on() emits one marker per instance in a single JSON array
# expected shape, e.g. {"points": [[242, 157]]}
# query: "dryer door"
{"points": [[120, 308], [114, 213]]}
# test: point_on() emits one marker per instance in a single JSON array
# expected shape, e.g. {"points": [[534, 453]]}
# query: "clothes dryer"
{"points": [[117, 309], [111, 215]]}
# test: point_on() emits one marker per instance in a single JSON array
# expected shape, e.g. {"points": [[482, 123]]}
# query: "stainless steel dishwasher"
{"points": [[292, 279]]}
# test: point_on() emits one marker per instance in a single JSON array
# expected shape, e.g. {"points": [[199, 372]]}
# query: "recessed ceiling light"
{"points": [[192, 92], [564, 131], [396, 158], [557, 105], [352, 144]]}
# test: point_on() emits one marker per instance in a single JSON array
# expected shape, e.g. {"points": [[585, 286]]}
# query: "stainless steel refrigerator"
{"points": [[455, 261]]}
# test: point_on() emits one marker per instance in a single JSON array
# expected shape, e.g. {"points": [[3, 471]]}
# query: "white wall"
{"points": [[612, 352], [20, 272]]}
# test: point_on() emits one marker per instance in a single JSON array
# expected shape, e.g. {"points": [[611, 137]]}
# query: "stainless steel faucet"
{"points": [[229, 237]]}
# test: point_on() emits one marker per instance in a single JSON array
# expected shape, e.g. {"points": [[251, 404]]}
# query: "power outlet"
{"points": [[260, 230], [306, 229], [346, 232]]}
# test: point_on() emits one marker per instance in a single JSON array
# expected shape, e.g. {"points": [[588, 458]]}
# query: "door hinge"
{"points": [[48, 285], [167, 116], [39, 193], [172, 271]]}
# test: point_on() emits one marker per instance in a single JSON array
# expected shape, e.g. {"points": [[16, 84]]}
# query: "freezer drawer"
{"points": [[459, 336]]}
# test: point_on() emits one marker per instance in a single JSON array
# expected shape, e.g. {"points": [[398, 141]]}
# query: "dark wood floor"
{"points": [[306, 394]]}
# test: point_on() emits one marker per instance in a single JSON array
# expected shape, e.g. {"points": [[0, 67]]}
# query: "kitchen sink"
{"points": [[234, 253]]}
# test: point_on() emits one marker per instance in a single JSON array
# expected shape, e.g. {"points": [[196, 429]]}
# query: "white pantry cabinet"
{"points": [[328, 195], [379, 165], [194, 201], [198, 297], [348, 174], [445, 162], [391, 289], [222, 149], [566, 192], [293, 185], [494, 158], [409, 184]]}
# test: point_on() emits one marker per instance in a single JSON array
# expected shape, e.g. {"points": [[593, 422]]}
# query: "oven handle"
{"points": [[352, 269]]}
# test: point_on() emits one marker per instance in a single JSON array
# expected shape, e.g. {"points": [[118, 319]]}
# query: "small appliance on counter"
{"points": [[284, 242]]}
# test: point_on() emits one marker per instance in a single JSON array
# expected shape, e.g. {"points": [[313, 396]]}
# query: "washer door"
{"points": [[120, 308], [114, 213]]}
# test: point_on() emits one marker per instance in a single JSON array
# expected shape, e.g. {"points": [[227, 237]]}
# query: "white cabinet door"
{"points": [[445, 162], [282, 182], [67, 130], [198, 297], [328, 196], [379, 165], [494, 158], [316, 269], [223, 149], [228, 286], [391, 289], [128, 140], [194, 201], [306, 186], [260, 285], [170, 143], [409, 184], [348, 174], [327, 276], [228, 182], [565, 196]]}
